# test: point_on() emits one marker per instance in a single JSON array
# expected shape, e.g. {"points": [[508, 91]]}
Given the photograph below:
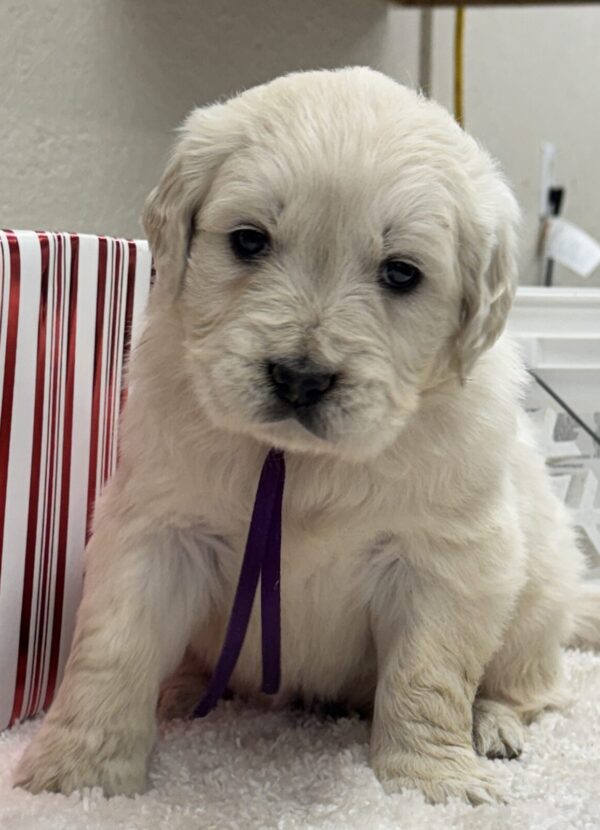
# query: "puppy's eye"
{"points": [[249, 243], [400, 276]]}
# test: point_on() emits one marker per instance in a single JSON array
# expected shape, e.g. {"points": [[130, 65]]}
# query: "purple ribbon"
{"points": [[262, 559]]}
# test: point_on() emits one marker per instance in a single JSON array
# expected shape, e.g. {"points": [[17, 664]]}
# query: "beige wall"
{"points": [[91, 90]]}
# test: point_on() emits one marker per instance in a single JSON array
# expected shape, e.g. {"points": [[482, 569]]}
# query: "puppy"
{"points": [[336, 261]]}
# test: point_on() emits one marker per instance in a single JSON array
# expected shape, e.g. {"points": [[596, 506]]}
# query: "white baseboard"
{"points": [[559, 332]]}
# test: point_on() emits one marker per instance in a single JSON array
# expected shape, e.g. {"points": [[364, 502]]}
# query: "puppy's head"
{"points": [[336, 246]]}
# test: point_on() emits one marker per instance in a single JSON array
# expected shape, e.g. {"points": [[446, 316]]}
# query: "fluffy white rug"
{"points": [[241, 769]]}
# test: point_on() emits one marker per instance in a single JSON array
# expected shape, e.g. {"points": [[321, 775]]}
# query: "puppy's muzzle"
{"points": [[300, 385]]}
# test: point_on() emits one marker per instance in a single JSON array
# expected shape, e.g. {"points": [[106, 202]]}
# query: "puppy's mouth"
{"points": [[310, 418]]}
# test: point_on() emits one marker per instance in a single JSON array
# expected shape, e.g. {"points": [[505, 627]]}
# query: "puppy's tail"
{"points": [[586, 632]]}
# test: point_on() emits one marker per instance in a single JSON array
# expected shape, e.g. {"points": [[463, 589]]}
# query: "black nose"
{"points": [[299, 386]]}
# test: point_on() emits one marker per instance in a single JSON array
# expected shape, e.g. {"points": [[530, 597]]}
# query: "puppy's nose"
{"points": [[299, 386]]}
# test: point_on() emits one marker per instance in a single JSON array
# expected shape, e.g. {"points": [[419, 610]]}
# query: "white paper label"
{"points": [[572, 247]]}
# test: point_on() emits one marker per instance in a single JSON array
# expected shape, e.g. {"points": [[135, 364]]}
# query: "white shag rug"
{"points": [[244, 769]]}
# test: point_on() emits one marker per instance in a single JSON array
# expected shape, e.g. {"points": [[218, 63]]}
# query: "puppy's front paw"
{"points": [[438, 779], [63, 758]]}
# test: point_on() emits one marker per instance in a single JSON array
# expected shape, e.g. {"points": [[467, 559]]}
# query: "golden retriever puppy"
{"points": [[336, 261]]}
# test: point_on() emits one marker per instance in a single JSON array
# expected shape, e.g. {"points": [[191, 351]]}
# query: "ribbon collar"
{"points": [[262, 559]]}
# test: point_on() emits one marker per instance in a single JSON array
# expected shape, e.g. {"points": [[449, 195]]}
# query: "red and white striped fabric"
{"points": [[69, 308]]}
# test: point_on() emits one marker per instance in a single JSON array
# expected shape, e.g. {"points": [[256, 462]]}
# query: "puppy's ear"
{"points": [[207, 138], [487, 260]]}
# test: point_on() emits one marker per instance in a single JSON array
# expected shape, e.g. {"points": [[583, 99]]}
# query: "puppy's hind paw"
{"points": [[182, 691], [497, 730]]}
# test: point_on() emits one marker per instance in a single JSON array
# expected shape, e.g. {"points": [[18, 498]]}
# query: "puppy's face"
{"points": [[340, 242]]}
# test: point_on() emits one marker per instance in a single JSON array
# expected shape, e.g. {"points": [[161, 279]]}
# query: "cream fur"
{"points": [[428, 571]]}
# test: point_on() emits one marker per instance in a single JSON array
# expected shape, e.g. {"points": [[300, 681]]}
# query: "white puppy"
{"points": [[336, 260]]}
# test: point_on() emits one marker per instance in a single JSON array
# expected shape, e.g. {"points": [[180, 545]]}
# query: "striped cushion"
{"points": [[69, 307]]}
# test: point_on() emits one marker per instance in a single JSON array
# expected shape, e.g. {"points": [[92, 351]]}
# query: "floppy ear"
{"points": [[487, 259], [207, 137]]}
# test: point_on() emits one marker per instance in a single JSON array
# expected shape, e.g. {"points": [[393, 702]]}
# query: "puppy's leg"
{"points": [[526, 673], [434, 635], [525, 676], [141, 597]]}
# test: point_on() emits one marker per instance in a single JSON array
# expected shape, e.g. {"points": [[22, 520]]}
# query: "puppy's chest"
{"points": [[327, 648]]}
